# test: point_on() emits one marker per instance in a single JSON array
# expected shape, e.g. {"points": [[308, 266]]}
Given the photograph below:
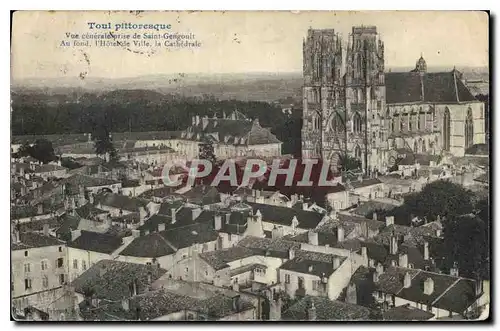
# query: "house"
{"points": [[47, 171], [38, 269], [119, 205], [310, 308], [288, 220], [113, 291], [232, 136], [406, 313], [86, 248], [171, 248]]}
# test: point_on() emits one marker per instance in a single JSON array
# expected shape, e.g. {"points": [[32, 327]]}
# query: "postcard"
{"points": [[250, 165]]}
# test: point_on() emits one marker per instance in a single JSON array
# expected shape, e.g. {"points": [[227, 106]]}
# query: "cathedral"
{"points": [[358, 109]]}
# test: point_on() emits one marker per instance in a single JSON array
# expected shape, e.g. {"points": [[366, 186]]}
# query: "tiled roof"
{"points": [[439, 87], [120, 201], [189, 235], [219, 259], [88, 181], [202, 195], [283, 215], [326, 310], [48, 168], [111, 279], [450, 293], [152, 245], [96, 242], [312, 263], [237, 132], [88, 210], [269, 247], [36, 240], [365, 182]]}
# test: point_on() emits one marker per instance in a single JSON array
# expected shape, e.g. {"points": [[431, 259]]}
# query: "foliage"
{"points": [[467, 243], [441, 197], [41, 150], [350, 163], [103, 143], [207, 152]]}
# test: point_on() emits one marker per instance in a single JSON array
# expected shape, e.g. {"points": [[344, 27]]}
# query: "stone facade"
{"points": [[369, 114]]}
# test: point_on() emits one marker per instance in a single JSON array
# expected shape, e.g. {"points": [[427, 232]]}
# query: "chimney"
{"points": [[40, 209], [426, 250], [46, 229], [228, 217], [313, 238], [374, 217], [197, 120], [389, 220], [136, 233], [305, 206], [454, 270], [276, 233], [311, 312], [438, 233], [218, 222], [407, 280], [403, 260], [478, 286], [336, 262], [428, 286], [310, 268], [393, 248], [236, 287], [161, 227], [172, 214], [340, 234], [291, 254], [193, 120]]}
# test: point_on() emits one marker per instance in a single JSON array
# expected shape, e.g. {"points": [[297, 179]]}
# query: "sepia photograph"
{"points": [[250, 166]]}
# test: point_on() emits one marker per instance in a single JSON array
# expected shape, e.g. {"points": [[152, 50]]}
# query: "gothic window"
{"points": [[393, 124], [357, 152], [401, 124], [469, 129], [415, 147], [356, 120], [424, 147], [336, 123], [446, 130]]}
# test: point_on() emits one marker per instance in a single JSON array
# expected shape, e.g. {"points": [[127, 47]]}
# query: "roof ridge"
{"points": [[419, 271], [455, 83], [168, 242]]}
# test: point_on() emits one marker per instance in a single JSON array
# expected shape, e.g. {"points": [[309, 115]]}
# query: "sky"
{"points": [[238, 41]]}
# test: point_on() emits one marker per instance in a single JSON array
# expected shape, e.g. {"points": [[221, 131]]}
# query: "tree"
{"points": [[350, 163], [25, 149], [103, 144], [466, 243], [43, 151]]}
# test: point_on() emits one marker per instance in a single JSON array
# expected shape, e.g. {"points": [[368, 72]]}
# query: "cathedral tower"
{"points": [[322, 92], [365, 96]]}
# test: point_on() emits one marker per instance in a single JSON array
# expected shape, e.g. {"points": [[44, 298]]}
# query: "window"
{"points": [[356, 120], [84, 265], [60, 249], [206, 273], [469, 129], [187, 269], [316, 285], [44, 265], [446, 130], [287, 279], [60, 262], [27, 283], [27, 267], [25, 253], [45, 281], [75, 264], [61, 279]]}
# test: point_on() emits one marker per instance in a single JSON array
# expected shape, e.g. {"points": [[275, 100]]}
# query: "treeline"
{"points": [[138, 110]]}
